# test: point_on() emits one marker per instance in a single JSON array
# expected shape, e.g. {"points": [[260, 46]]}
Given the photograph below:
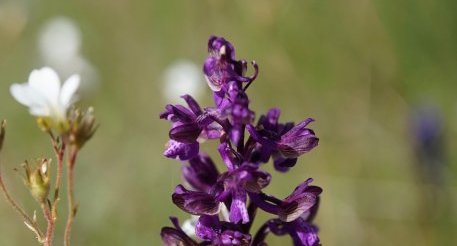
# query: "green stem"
{"points": [[72, 208]]}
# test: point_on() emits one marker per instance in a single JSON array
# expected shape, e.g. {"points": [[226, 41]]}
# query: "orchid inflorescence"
{"points": [[69, 129], [226, 203]]}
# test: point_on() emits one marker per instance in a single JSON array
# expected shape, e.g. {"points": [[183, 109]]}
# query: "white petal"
{"points": [[46, 82], [39, 111], [20, 93], [25, 95], [68, 90]]}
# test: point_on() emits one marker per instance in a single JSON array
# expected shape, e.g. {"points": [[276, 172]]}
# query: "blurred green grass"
{"points": [[357, 67]]}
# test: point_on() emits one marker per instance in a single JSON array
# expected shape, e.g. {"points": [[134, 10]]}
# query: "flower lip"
{"points": [[181, 151]]}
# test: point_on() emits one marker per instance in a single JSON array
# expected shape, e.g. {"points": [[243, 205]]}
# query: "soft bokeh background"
{"points": [[367, 70]]}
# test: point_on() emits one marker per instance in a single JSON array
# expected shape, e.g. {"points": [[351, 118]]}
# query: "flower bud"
{"points": [[82, 126], [37, 179]]}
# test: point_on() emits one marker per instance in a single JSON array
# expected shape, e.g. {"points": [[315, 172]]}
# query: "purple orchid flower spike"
{"points": [[227, 201]]}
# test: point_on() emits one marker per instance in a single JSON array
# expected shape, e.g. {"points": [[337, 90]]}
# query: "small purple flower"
{"points": [[284, 142], [209, 228], [302, 199], [188, 124], [300, 202], [238, 183], [221, 67], [298, 140]]}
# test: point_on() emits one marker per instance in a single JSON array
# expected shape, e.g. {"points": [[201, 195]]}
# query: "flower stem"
{"points": [[51, 225], [261, 234], [72, 208], [60, 155]]}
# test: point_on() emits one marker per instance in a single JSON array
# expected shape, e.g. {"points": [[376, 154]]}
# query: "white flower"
{"points": [[45, 96], [59, 44]]}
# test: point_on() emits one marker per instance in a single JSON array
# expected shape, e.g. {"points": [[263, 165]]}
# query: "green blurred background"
{"points": [[359, 67]]}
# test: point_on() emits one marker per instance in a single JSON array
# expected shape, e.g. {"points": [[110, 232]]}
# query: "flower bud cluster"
{"points": [[37, 178]]}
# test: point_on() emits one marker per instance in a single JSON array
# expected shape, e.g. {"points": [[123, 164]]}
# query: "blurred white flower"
{"points": [[45, 96], [60, 40], [183, 77], [59, 44]]}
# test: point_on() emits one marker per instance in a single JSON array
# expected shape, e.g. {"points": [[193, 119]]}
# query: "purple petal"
{"points": [[215, 44], [193, 105], [305, 234], [228, 156], [238, 210], [270, 121], [195, 202], [181, 151], [251, 178], [259, 138], [176, 113], [172, 237], [229, 238], [207, 227], [201, 174], [185, 133], [300, 201], [298, 140], [282, 164]]}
